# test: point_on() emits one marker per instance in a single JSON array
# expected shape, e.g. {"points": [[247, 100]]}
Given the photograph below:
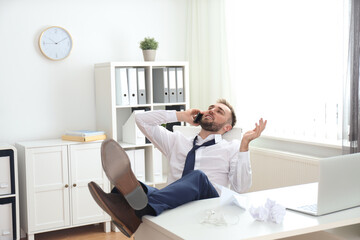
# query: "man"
{"points": [[194, 164]]}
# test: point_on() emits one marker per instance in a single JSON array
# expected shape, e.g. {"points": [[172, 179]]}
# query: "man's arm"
{"points": [[149, 124], [240, 175], [252, 134]]}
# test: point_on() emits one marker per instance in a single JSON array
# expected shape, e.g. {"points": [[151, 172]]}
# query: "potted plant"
{"points": [[149, 47]]}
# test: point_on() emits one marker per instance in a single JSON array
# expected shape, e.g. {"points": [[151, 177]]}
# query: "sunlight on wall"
{"points": [[287, 62]]}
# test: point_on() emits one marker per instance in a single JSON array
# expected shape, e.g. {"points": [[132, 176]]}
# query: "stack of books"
{"points": [[83, 136]]}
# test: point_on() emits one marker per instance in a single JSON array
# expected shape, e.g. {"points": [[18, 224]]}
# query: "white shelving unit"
{"points": [[9, 193], [111, 117]]}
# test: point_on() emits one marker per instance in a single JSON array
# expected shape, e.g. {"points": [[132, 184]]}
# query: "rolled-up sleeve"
{"points": [[240, 175]]}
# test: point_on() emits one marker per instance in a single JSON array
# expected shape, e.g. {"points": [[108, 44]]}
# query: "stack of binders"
{"points": [[83, 136], [168, 84], [130, 86]]}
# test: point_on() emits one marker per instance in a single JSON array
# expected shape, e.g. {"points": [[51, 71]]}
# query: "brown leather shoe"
{"points": [[116, 165], [117, 207]]}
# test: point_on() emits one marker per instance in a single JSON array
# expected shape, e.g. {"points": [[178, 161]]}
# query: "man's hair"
{"points": [[233, 116]]}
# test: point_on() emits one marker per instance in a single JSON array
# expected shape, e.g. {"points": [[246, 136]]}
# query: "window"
{"points": [[287, 65]]}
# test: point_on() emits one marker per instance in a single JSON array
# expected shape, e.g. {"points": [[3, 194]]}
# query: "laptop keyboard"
{"points": [[309, 208]]}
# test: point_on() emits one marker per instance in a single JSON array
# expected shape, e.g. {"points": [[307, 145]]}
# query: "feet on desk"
{"points": [[116, 165], [117, 207]]}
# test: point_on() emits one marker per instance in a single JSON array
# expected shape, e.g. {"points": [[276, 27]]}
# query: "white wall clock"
{"points": [[55, 43]]}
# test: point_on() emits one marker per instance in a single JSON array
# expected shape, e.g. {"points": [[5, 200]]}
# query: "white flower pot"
{"points": [[149, 55]]}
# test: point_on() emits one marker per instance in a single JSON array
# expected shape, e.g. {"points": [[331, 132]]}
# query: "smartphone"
{"points": [[198, 117]]}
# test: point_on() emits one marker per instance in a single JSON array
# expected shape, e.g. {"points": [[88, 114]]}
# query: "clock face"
{"points": [[55, 43]]}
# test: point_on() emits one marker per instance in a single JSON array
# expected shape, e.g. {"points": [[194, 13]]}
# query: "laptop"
{"points": [[338, 187]]}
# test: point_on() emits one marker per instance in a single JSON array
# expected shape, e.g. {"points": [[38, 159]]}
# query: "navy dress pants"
{"points": [[193, 186]]}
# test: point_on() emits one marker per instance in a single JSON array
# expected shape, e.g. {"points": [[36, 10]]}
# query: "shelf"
{"points": [[133, 106], [111, 117], [150, 105], [7, 196], [12, 197], [168, 104], [142, 64]]}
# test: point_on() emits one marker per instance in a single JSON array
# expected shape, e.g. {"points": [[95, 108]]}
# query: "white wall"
{"points": [[40, 98]]}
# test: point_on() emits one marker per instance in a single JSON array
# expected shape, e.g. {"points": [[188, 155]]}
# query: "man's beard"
{"points": [[211, 126]]}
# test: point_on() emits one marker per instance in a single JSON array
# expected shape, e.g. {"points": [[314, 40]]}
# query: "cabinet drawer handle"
{"points": [[66, 185], [74, 185]]}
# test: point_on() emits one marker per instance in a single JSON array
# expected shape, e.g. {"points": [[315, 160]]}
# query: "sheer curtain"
{"points": [[287, 65], [351, 130], [207, 53]]}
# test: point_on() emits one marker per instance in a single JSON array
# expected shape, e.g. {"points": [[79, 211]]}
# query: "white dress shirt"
{"points": [[222, 162]]}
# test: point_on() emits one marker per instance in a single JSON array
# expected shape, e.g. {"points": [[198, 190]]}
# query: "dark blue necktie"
{"points": [[190, 158]]}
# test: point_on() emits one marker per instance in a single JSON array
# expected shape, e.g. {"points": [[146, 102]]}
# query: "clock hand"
{"points": [[51, 40], [62, 40]]}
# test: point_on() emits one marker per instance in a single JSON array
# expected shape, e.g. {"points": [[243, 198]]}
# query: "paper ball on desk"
{"points": [[271, 211], [269, 203], [277, 213], [259, 213]]}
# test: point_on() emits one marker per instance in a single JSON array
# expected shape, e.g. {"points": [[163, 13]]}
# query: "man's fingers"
{"points": [[260, 127], [262, 124], [257, 129]]}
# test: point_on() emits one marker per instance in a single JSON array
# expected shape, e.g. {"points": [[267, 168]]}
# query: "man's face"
{"points": [[216, 117]]}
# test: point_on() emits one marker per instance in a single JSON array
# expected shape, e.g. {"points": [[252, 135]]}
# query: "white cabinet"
{"points": [[9, 194], [111, 115], [53, 184]]}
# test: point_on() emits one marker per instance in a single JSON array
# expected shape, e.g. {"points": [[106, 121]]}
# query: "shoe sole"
{"points": [[119, 224], [118, 170]]}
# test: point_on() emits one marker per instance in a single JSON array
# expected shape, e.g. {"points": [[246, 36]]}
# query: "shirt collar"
{"points": [[217, 137]]}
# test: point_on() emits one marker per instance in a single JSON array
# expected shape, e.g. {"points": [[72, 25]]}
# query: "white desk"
{"points": [[184, 221]]}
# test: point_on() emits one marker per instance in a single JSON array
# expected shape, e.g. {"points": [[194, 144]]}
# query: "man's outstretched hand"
{"points": [[252, 134]]}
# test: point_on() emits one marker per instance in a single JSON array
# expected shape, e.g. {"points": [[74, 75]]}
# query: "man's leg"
{"points": [[191, 187], [116, 165]]}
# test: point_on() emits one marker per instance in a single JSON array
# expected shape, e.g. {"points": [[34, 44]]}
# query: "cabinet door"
{"points": [[47, 188], [85, 167]]}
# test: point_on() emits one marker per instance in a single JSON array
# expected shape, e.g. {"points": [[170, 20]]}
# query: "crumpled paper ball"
{"points": [[259, 213], [271, 211], [277, 213]]}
